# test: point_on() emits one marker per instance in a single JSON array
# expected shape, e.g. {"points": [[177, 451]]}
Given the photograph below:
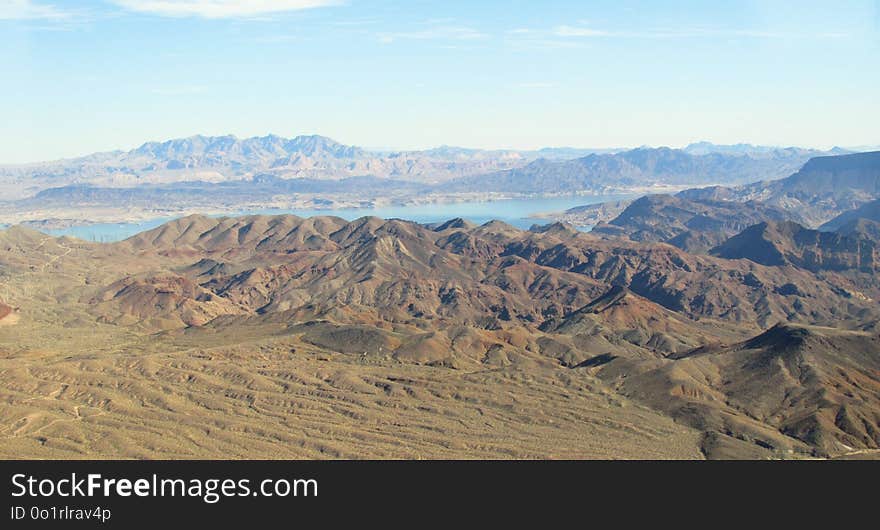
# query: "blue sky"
{"points": [[81, 76]]}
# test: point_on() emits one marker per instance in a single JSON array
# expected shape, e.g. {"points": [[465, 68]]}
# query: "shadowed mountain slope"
{"points": [[790, 389], [824, 188], [869, 211], [690, 225], [791, 243]]}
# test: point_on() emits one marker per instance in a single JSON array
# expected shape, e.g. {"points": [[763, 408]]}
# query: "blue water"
{"points": [[516, 212], [108, 232]]}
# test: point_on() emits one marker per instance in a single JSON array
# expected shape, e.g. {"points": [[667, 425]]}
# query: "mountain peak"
{"points": [[268, 146], [781, 337], [556, 229], [458, 222]]}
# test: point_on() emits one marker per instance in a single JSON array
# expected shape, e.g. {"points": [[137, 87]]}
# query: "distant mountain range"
{"points": [[825, 187], [225, 174], [705, 148], [639, 167], [227, 158], [204, 151], [843, 192], [548, 170]]}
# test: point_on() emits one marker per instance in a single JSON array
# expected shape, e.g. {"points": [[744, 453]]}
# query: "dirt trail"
{"points": [[53, 259], [9, 315]]}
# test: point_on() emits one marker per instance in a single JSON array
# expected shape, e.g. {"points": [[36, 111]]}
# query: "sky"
{"points": [[81, 76]]}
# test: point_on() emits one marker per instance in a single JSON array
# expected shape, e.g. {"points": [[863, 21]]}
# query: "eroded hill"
{"points": [[280, 336]]}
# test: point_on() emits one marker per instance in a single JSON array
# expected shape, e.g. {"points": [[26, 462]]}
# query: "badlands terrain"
{"points": [[122, 352], [284, 337]]}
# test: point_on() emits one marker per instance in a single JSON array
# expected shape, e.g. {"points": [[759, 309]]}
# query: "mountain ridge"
{"points": [[822, 189], [607, 319], [780, 243], [640, 166]]}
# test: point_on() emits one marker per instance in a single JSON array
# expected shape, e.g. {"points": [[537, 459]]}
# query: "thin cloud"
{"points": [[277, 39], [354, 22], [220, 8], [456, 33], [525, 42], [29, 10], [537, 84], [179, 91], [588, 32], [571, 31]]}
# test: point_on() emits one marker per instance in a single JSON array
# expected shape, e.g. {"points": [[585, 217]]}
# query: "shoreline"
{"points": [[520, 212], [64, 218], [60, 218]]}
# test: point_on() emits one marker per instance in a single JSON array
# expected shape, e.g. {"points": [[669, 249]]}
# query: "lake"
{"points": [[516, 212]]}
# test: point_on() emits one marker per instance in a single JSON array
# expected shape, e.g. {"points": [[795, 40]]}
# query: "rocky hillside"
{"points": [[787, 389], [694, 226], [489, 275], [691, 336], [869, 211], [824, 188], [784, 243]]}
